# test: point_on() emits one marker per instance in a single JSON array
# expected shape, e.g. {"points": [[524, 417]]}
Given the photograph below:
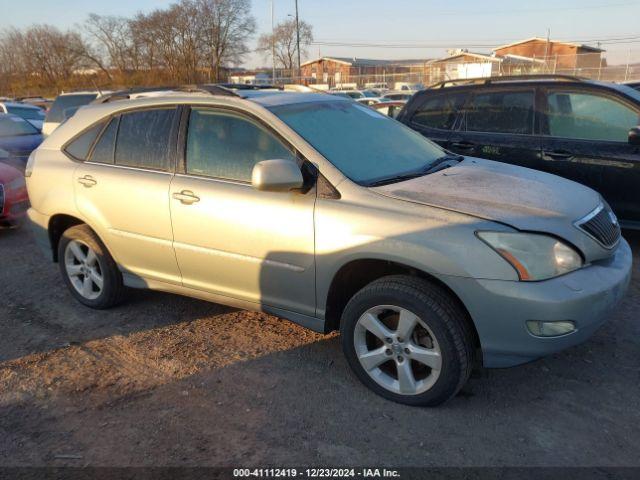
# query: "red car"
{"points": [[13, 195]]}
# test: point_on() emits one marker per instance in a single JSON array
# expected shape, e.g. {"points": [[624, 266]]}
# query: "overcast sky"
{"points": [[418, 23]]}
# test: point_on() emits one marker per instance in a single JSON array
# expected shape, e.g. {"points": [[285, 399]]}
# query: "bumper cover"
{"points": [[500, 309], [39, 224]]}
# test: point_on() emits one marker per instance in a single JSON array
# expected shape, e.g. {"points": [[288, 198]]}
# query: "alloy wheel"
{"points": [[83, 269]]}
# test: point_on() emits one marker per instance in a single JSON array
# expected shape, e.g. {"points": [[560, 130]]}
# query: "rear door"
{"points": [[435, 115], [123, 190], [587, 140], [499, 124]]}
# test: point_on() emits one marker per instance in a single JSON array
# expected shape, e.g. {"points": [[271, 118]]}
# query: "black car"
{"points": [[583, 130]]}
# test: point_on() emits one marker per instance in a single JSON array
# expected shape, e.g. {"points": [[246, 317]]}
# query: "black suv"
{"points": [[583, 130]]}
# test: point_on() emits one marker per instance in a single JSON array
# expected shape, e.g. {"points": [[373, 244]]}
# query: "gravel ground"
{"points": [[166, 380]]}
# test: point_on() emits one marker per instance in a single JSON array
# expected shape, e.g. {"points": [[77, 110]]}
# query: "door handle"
{"points": [[558, 154], [463, 145], [88, 181], [187, 197]]}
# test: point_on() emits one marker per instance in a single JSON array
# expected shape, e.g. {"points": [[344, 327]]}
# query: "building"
{"points": [[336, 71], [558, 55]]}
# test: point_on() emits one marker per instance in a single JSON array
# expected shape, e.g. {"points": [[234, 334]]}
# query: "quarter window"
{"points": [[500, 112], [104, 149], [589, 117], [226, 145], [438, 112], [143, 139], [80, 147]]}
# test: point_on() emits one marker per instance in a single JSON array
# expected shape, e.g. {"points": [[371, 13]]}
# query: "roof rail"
{"points": [[505, 78], [127, 94]]}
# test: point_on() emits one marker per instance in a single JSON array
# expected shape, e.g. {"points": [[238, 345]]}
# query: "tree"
{"points": [[283, 41]]}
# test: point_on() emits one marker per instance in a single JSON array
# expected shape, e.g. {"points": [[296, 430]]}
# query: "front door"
{"points": [[231, 239], [436, 115], [587, 140], [123, 189], [499, 125]]}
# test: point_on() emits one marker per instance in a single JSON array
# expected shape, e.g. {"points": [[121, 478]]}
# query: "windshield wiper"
{"points": [[438, 164]]}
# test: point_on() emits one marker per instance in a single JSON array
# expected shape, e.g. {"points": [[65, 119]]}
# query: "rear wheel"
{"points": [[406, 339], [88, 269]]}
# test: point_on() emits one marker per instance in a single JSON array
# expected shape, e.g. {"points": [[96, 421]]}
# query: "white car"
{"points": [[398, 96], [64, 106], [32, 114]]}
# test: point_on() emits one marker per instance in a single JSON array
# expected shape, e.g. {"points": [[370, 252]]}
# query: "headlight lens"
{"points": [[533, 256]]}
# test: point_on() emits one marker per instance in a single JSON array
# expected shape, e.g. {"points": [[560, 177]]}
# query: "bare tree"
{"points": [[226, 26], [113, 40], [283, 40]]}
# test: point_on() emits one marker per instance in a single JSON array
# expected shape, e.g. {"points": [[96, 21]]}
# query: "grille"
{"points": [[1, 199], [602, 225]]}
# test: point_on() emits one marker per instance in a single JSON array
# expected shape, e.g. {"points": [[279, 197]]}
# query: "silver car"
{"points": [[322, 211]]}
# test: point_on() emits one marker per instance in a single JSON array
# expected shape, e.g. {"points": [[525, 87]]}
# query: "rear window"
{"points": [[27, 113], [11, 126], [500, 112], [67, 102]]}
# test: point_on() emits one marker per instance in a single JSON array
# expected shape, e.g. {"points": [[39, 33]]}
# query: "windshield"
{"points": [[27, 113], [363, 144], [11, 126], [64, 102]]}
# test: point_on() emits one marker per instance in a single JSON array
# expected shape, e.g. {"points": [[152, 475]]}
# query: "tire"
{"points": [[79, 267], [440, 328]]}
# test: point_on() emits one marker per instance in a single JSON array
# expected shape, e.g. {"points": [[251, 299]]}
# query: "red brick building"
{"points": [[340, 70], [562, 55]]}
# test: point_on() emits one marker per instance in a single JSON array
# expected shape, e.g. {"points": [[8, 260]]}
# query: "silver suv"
{"points": [[322, 211]]}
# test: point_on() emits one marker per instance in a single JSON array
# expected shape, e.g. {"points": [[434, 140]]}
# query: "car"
{"points": [[13, 194], [32, 114], [634, 85], [397, 96], [583, 130], [368, 101], [65, 105], [391, 109], [327, 213], [18, 138]]}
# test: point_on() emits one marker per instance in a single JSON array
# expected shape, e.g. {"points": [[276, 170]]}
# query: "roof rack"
{"points": [[505, 78], [127, 94], [249, 86]]}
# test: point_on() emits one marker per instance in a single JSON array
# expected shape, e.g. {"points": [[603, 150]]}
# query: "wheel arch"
{"points": [[358, 273], [61, 222]]}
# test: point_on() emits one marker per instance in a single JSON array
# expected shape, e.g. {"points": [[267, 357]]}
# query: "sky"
{"points": [[394, 29]]}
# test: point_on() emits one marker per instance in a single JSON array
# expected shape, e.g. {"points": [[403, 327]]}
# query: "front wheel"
{"points": [[407, 340], [88, 269]]}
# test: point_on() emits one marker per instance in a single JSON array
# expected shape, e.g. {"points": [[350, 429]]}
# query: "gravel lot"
{"points": [[166, 380]]}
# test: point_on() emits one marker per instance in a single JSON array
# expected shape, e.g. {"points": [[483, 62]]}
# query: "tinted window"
{"points": [[65, 102], [27, 113], [500, 112], [104, 149], [226, 145], [438, 112], [79, 148], [11, 125], [143, 139], [589, 117]]}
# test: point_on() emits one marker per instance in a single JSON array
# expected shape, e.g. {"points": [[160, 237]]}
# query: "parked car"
{"points": [[368, 101], [13, 194], [32, 114], [317, 209], [64, 106], [583, 130], [391, 109], [397, 96], [634, 85], [18, 138]]}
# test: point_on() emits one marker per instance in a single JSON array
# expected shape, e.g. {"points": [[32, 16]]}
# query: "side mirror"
{"points": [[634, 136], [276, 176]]}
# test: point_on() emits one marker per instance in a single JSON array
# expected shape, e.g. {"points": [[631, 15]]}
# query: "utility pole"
{"points": [[546, 49], [298, 43], [273, 49]]}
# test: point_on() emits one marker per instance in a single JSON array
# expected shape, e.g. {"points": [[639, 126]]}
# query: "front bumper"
{"points": [[500, 309]]}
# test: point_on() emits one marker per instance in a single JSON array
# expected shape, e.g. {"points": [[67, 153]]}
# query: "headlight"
{"points": [[533, 256]]}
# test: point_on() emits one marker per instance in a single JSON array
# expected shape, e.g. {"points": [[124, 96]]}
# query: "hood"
{"points": [[520, 197]]}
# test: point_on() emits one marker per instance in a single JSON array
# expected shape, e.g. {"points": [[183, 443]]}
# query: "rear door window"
{"points": [[80, 147], [589, 116], [500, 112], [438, 111], [144, 138]]}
